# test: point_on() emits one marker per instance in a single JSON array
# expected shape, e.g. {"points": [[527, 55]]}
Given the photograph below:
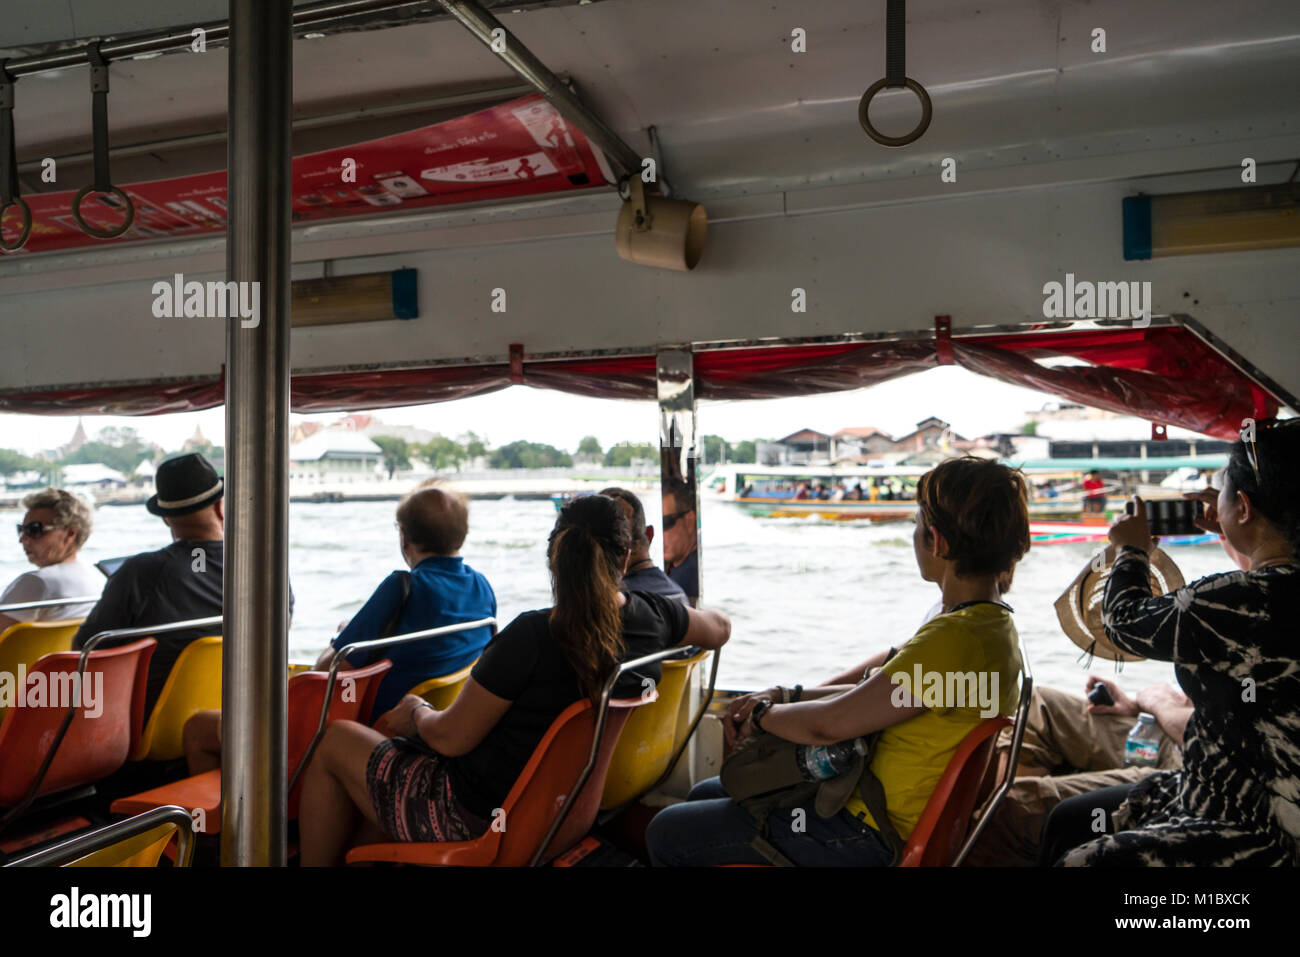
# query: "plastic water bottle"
{"points": [[820, 762], [1142, 749]]}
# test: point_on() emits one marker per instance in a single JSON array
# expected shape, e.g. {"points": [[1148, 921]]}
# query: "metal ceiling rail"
{"points": [[475, 18], [473, 15], [216, 31], [316, 121]]}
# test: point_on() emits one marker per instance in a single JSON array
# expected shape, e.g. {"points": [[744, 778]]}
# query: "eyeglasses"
{"points": [[34, 529], [670, 518], [1252, 451]]}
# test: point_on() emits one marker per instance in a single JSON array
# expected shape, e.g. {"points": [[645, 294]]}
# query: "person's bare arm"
{"points": [[453, 732], [1170, 707], [706, 628], [6, 621], [869, 707]]}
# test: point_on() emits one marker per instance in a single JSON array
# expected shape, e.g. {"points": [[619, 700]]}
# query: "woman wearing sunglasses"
{"points": [[52, 532], [1232, 639]]}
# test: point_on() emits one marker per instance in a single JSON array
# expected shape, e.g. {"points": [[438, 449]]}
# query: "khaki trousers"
{"points": [[1069, 752]]}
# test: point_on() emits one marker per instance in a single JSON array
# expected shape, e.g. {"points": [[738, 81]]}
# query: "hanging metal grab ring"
{"points": [[896, 78], [112, 232], [927, 111], [102, 183], [27, 223]]}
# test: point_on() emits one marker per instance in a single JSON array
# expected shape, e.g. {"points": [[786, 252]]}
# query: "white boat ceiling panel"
{"points": [[1048, 137], [571, 293]]}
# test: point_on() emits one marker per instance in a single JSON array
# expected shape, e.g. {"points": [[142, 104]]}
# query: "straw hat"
{"points": [[1079, 609]]}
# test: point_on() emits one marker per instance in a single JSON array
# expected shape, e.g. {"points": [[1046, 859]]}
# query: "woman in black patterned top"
{"points": [[1234, 641]]}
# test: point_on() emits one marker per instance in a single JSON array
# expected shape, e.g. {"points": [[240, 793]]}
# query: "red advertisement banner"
{"points": [[521, 148]]}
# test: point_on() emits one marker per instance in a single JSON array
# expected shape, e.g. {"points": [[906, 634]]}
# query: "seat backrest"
{"points": [[547, 778], [354, 694], [649, 738], [441, 692], [946, 820], [194, 684], [94, 747], [26, 642]]}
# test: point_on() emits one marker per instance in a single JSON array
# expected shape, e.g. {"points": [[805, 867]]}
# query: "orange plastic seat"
{"points": [[354, 694], [441, 692], [533, 802], [24, 643], [965, 785], [93, 747]]}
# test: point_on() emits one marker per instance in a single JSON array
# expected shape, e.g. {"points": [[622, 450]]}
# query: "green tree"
{"points": [[744, 453], [442, 453], [528, 455], [590, 445], [11, 462], [716, 449], [120, 449], [474, 446], [622, 454], [1029, 428], [395, 452]]}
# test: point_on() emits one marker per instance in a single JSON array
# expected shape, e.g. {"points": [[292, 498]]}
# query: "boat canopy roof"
{"points": [[829, 257]]}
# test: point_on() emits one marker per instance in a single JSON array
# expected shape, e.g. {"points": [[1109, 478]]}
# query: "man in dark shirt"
{"points": [[176, 583], [642, 575]]}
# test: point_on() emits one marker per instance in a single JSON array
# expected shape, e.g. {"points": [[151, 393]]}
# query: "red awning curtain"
{"points": [[1166, 375]]}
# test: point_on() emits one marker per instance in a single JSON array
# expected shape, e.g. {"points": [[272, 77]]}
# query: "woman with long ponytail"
{"points": [[425, 775]]}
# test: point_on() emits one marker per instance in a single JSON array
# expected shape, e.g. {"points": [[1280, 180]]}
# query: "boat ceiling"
{"points": [[737, 111], [1049, 137]]}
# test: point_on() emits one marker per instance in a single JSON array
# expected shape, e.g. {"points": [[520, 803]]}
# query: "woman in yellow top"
{"points": [[961, 667]]}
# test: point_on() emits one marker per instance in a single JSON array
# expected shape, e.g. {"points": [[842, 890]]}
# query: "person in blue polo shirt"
{"points": [[432, 523]]}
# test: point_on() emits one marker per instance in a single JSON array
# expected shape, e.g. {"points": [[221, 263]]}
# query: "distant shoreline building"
{"points": [[335, 455]]}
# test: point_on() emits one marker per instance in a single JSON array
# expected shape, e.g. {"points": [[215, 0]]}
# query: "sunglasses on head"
{"points": [[1252, 450], [34, 529]]}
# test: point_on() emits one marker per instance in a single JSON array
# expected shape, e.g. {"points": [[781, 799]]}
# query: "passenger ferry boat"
{"points": [[1056, 506], [452, 223]]}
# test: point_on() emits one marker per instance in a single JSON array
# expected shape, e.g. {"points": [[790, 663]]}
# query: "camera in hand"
{"points": [[1173, 516], [1100, 695]]}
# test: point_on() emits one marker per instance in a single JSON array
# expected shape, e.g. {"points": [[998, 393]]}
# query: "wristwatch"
{"points": [[760, 709]]}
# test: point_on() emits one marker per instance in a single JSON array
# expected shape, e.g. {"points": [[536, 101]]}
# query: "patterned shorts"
{"points": [[411, 795]]}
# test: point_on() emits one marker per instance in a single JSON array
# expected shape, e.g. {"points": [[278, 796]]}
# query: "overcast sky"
{"points": [[973, 404]]}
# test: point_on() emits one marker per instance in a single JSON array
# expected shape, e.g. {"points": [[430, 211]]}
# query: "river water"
{"points": [[806, 598]]}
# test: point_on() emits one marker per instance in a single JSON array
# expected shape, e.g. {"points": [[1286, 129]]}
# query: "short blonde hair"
{"points": [[69, 510]]}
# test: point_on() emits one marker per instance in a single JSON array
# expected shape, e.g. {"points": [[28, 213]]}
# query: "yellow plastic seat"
{"points": [[142, 850], [194, 684], [26, 642], [649, 739], [441, 692]]}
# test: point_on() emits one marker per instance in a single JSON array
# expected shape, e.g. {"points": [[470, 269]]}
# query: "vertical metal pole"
{"points": [[677, 469], [254, 799]]}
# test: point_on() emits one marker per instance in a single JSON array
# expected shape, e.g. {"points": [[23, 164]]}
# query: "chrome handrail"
{"points": [[79, 847], [596, 737], [1013, 760], [49, 602], [341, 655], [90, 644]]}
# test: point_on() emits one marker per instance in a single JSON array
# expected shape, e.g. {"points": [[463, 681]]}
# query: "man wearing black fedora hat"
{"points": [[176, 583]]}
